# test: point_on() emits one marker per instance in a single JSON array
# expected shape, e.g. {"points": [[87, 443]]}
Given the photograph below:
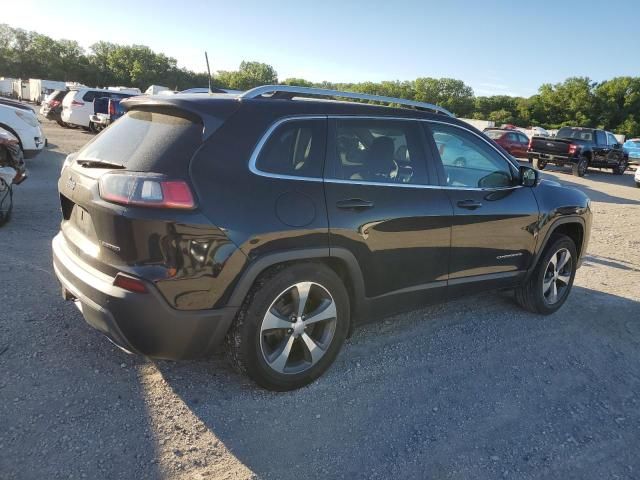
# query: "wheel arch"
{"points": [[13, 132], [573, 227], [340, 260]]}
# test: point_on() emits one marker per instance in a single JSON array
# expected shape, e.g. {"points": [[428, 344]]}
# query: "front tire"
{"points": [[291, 326], [550, 283]]}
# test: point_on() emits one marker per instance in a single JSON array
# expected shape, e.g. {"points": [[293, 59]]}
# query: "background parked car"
{"points": [[107, 110], [20, 120], [52, 106], [77, 106], [632, 149], [513, 141]]}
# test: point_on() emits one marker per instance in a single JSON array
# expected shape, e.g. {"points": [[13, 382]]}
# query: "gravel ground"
{"points": [[474, 389]]}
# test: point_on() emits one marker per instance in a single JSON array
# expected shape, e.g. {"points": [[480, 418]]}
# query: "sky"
{"points": [[497, 47]]}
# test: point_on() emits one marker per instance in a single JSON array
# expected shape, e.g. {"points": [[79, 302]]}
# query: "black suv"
{"points": [[275, 220]]}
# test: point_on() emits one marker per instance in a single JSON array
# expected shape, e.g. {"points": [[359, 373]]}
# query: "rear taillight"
{"points": [[76, 103], [573, 148], [112, 108], [130, 283], [145, 190], [530, 144]]}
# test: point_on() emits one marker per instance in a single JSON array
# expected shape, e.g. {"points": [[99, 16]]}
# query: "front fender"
{"points": [[560, 205]]}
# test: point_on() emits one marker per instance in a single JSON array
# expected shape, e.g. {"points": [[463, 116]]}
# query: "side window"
{"points": [[378, 150], [469, 161], [601, 138], [512, 137], [295, 148], [523, 138], [612, 139]]}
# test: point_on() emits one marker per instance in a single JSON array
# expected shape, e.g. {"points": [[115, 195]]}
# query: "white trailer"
{"points": [[155, 90], [6, 86], [479, 124], [38, 89]]}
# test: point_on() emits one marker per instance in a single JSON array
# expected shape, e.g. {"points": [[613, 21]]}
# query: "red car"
{"points": [[513, 141]]}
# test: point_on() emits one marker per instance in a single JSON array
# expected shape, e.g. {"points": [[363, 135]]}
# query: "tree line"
{"points": [[612, 104]]}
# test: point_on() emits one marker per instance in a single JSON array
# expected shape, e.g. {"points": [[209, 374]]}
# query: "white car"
{"points": [[21, 121], [77, 106], [637, 177]]}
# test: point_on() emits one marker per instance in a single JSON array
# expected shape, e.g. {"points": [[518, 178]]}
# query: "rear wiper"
{"points": [[99, 164]]}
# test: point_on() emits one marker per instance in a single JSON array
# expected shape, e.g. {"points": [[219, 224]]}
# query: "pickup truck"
{"points": [[580, 148]]}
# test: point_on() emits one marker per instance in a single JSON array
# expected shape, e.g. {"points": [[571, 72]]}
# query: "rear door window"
{"points": [[379, 150], [612, 139], [147, 141], [296, 148]]}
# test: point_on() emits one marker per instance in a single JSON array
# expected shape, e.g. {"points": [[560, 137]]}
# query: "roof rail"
{"points": [[290, 91]]}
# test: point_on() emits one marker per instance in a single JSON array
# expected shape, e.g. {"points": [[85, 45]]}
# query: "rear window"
{"points": [[575, 133], [147, 141]]}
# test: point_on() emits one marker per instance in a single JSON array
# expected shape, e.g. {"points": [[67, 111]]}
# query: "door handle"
{"points": [[354, 203], [469, 204]]}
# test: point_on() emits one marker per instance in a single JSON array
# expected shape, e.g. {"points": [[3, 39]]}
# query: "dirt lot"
{"points": [[473, 389]]}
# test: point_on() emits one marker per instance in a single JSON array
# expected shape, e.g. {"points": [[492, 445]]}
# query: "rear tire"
{"points": [[580, 168], [536, 295], [279, 349], [539, 164], [621, 167]]}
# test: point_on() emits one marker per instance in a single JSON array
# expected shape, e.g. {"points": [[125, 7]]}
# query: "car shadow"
{"points": [[609, 262], [71, 404], [477, 387]]}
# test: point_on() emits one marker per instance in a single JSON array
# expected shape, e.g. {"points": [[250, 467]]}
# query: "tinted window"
{"points": [[295, 148], [513, 137], [469, 161], [386, 151], [612, 139], [601, 138], [91, 95], [577, 133], [147, 141], [523, 138]]}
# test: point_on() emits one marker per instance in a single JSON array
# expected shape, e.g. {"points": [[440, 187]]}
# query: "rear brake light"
{"points": [[573, 148], [130, 283], [76, 103], [530, 143], [145, 190], [112, 108]]}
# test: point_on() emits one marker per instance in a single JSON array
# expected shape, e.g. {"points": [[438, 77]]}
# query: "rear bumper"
{"points": [[140, 323], [555, 159]]}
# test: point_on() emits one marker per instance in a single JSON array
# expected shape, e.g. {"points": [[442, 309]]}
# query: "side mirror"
{"points": [[529, 176]]}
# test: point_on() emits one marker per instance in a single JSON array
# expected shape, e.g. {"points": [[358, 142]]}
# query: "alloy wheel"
{"points": [[298, 328], [557, 276]]}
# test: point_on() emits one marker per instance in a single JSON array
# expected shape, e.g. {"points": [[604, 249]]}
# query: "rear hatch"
{"points": [[108, 234]]}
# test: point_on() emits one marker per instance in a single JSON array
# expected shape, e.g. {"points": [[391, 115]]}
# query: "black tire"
{"points": [[530, 295], [638, 184], [539, 164], [245, 340], [86, 129], [6, 203], [621, 167], [579, 168], [62, 124]]}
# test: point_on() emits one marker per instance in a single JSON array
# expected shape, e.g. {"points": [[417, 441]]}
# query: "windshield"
{"points": [[575, 133], [493, 134]]}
